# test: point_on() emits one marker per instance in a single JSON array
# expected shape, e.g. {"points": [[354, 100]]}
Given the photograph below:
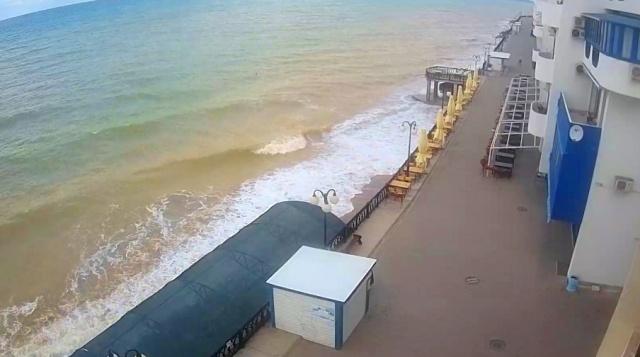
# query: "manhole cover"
{"points": [[497, 345], [472, 280], [522, 209]]}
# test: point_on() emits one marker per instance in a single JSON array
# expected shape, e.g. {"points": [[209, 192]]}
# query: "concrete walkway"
{"points": [[461, 225]]}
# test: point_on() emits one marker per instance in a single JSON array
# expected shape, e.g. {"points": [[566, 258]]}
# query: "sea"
{"points": [[137, 135]]}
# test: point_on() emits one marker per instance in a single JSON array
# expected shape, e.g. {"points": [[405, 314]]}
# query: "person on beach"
{"points": [[520, 61]]}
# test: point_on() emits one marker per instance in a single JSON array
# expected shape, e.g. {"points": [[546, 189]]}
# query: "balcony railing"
{"points": [[538, 31], [613, 35], [538, 119], [366, 211], [546, 55], [544, 67]]}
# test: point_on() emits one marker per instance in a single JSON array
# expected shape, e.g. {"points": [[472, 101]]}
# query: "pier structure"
{"points": [[441, 79]]}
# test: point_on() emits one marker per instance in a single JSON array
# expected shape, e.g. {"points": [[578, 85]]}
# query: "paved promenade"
{"points": [[462, 224]]}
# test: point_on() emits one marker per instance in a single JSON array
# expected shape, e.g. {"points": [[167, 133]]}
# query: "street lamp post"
{"points": [[487, 51], [328, 198], [412, 126], [476, 58]]}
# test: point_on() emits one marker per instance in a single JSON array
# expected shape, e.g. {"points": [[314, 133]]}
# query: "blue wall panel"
{"points": [[571, 168]]}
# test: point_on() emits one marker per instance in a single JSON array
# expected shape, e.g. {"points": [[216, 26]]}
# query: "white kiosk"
{"points": [[321, 295], [517, 26], [496, 60]]}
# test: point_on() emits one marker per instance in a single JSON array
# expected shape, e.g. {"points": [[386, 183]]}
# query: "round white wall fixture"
{"points": [[576, 133]]}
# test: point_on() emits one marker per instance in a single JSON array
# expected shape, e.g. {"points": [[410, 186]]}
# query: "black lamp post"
{"points": [[412, 127], [487, 51], [328, 198]]}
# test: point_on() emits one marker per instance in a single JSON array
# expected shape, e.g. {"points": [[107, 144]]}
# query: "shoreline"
{"points": [[368, 191]]}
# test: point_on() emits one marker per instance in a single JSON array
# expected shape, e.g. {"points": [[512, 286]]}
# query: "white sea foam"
{"points": [[367, 145], [10, 318], [283, 146]]}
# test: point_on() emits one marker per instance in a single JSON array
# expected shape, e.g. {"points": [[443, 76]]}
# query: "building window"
{"points": [[595, 58], [587, 50], [637, 46], [609, 39], [627, 42], [617, 39]]}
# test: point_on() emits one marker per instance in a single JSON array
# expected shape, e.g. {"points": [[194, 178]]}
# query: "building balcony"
{"points": [[544, 66], [550, 12], [538, 31], [537, 18], [538, 119], [611, 53], [629, 6]]}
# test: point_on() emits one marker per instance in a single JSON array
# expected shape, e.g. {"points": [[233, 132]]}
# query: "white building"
{"points": [[587, 61], [321, 295]]}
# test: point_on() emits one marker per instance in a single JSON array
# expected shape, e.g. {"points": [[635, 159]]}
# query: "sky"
{"points": [[13, 8]]}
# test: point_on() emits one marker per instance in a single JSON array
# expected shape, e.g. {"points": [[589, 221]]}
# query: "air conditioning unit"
{"points": [[577, 33], [635, 73], [623, 184], [579, 68], [578, 22]]}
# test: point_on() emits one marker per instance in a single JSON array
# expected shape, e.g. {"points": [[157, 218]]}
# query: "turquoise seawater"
{"points": [[135, 136]]}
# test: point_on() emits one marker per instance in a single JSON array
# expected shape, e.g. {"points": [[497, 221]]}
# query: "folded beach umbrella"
{"points": [[459, 101], [451, 108], [439, 135], [423, 148], [468, 90], [476, 79]]}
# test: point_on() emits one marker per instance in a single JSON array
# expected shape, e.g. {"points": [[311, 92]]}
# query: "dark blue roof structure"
{"points": [[213, 307]]}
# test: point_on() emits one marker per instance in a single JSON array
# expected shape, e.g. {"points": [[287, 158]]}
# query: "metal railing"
{"points": [[365, 212], [504, 35], [237, 341]]}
